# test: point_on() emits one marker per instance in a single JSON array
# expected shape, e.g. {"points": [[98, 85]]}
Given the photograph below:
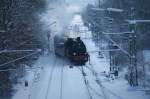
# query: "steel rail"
{"points": [[50, 78], [85, 82], [62, 78]]}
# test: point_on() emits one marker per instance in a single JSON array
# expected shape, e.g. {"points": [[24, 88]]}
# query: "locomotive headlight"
{"points": [[74, 54]]}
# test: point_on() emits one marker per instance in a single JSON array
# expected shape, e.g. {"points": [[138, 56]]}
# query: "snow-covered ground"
{"points": [[55, 80]]}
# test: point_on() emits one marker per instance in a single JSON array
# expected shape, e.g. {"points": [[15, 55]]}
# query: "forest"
{"points": [[20, 36]]}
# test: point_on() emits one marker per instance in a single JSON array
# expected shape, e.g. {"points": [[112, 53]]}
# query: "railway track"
{"points": [[89, 88], [56, 79], [62, 78], [86, 82], [57, 75], [105, 91], [99, 82], [50, 78]]}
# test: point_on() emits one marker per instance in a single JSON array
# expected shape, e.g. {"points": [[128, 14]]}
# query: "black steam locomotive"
{"points": [[72, 48]]}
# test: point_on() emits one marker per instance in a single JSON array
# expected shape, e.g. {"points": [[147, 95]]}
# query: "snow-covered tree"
{"points": [[19, 30]]}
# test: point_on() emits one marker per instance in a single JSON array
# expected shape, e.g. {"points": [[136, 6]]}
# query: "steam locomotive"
{"points": [[71, 48]]}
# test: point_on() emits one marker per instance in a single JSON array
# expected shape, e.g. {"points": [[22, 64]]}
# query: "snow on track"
{"points": [[55, 86], [73, 86], [39, 89], [58, 81]]}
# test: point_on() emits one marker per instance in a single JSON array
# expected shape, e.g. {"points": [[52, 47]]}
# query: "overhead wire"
{"points": [[18, 59]]}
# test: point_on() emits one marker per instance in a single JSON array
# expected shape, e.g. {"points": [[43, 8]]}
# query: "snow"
{"points": [[10, 51], [2, 31], [108, 9], [137, 21], [146, 54], [115, 9], [55, 80], [128, 32], [98, 9]]}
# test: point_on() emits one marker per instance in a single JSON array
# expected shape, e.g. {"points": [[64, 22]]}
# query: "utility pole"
{"points": [[99, 3], [133, 51], [133, 75], [110, 46], [50, 39]]}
